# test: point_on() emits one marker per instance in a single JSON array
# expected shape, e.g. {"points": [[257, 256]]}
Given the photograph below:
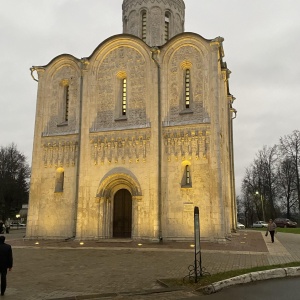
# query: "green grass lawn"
{"points": [[209, 279], [286, 230]]}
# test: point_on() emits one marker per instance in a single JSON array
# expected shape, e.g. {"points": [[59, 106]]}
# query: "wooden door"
{"points": [[122, 221]]}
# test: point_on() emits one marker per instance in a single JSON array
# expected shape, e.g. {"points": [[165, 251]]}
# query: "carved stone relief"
{"points": [[60, 153], [54, 102], [197, 60], [155, 19], [120, 147], [107, 96], [186, 143]]}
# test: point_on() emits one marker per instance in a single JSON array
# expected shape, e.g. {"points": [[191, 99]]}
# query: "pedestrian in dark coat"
{"points": [[1, 227], [6, 262], [271, 228]]}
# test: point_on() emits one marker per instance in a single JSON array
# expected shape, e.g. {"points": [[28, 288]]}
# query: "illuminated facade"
{"points": [[128, 140]]}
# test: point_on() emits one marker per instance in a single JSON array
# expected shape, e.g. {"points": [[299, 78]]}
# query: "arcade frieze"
{"points": [[120, 147], [186, 143], [60, 153]]}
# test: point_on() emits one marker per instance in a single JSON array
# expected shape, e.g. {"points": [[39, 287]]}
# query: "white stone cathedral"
{"points": [[130, 139]]}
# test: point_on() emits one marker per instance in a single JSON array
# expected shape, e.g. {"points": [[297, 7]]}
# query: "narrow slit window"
{"points": [[167, 27], [59, 181], [144, 26], [187, 88], [67, 102], [187, 175], [124, 96]]}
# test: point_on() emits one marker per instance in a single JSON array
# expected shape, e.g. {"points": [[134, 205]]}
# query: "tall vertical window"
{"points": [[167, 27], [187, 87], [66, 100], [125, 25], [144, 25], [187, 175], [124, 96], [186, 180], [59, 180]]}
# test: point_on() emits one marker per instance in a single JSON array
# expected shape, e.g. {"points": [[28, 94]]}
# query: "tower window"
{"points": [[167, 27], [187, 87], [187, 175], [66, 103], [144, 26], [186, 181], [121, 100], [124, 96], [59, 180]]}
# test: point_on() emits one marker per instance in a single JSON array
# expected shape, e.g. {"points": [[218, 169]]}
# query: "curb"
{"points": [[251, 277], [115, 295]]}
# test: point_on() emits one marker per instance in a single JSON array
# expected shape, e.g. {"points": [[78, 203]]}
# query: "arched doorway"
{"points": [[122, 216]]}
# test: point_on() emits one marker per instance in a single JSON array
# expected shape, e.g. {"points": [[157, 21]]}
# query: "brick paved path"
{"points": [[63, 270]]}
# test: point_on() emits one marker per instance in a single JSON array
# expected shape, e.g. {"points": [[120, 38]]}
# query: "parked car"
{"points": [[283, 222], [240, 225], [260, 224], [14, 224]]}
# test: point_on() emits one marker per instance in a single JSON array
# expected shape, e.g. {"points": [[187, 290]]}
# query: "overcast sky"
{"points": [[262, 49]]}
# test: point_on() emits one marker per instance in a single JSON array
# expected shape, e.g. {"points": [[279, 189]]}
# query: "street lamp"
{"points": [[18, 216], [262, 204]]}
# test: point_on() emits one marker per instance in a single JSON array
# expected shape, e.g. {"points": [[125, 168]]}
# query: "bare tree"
{"points": [[14, 175], [290, 148], [274, 177], [259, 183], [286, 186], [253, 211], [266, 167]]}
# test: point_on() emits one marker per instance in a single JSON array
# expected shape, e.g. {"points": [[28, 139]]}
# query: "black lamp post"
{"points": [[17, 216], [262, 204]]}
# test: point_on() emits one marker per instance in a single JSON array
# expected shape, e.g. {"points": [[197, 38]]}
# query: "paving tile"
{"points": [[119, 270]]}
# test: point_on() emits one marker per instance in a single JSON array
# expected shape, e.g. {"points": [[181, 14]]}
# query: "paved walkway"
{"points": [[125, 270]]}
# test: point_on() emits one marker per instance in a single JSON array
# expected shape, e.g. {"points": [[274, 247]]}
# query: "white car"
{"points": [[17, 224], [240, 225], [260, 224]]}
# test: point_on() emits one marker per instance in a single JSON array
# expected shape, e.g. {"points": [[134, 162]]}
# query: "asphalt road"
{"points": [[275, 289]]}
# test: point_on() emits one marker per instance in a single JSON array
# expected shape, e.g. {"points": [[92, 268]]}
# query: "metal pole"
{"points": [[262, 206], [197, 242]]}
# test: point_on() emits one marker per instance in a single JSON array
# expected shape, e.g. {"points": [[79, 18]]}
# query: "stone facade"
{"points": [[130, 139]]}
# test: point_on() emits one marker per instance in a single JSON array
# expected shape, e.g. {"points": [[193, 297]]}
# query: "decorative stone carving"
{"points": [[186, 143], [155, 21], [120, 148], [56, 125], [196, 60], [60, 153], [123, 61], [122, 151]]}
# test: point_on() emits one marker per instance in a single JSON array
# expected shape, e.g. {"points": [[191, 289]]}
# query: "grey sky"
{"points": [[261, 46]]}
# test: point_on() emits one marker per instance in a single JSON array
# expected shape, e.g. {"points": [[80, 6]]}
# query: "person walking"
{"points": [[271, 228], [1, 227], [6, 262], [7, 226]]}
